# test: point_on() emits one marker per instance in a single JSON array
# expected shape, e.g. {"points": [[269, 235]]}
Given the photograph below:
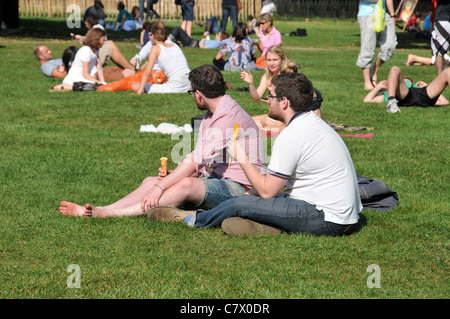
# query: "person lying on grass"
{"points": [[402, 92], [49, 66], [182, 187], [309, 160], [86, 67]]}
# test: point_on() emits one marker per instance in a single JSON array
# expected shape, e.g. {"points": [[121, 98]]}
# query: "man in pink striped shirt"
{"points": [[205, 178]]}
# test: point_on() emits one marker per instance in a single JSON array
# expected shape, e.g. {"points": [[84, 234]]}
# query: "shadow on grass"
{"points": [[57, 29]]}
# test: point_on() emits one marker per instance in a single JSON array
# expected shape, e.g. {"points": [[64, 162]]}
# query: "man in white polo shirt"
{"points": [[309, 160]]}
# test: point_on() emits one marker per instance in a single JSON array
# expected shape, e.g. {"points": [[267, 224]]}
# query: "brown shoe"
{"points": [[237, 226], [167, 213]]}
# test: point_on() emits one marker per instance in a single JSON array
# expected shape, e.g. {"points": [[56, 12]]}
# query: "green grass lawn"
{"points": [[86, 147]]}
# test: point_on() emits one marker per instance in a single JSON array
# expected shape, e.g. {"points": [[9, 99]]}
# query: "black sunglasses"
{"points": [[190, 92]]}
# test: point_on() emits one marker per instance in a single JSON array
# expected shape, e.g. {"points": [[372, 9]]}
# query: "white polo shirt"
{"points": [[318, 168]]}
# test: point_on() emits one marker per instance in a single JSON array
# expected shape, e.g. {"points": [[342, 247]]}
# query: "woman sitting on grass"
{"points": [[170, 59], [86, 66], [241, 50], [276, 64]]}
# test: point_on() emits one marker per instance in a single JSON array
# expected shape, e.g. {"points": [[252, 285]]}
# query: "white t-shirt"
{"points": [[319, 170], [145, 52], [174, 64], [75, 74]]}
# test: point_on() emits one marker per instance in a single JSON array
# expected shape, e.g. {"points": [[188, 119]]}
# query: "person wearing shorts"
{"points": [[310, 185], [399, 94], [222, 179], [187, 12], [440, 36], [387, 40]]}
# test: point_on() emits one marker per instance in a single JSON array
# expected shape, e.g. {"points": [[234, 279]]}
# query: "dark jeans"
{"points": [[179, 34], [227, 11], [288, 214]]}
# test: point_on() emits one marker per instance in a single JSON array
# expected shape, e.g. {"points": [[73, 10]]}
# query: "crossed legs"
{"points": [[190, 189]]}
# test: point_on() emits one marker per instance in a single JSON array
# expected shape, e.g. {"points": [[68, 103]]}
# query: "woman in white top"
{"points": [[171, 59], [86, 66]]}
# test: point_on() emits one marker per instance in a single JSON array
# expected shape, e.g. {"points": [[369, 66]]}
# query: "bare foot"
{"points": [[71, 209], [368, 86], [410, 60], [92, 211]]}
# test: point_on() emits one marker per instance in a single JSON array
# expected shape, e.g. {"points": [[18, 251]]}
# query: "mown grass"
{"points": [[86, 147]]}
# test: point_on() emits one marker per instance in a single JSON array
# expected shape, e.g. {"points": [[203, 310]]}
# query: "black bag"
{"points": [[85, 86], [178, 2]]}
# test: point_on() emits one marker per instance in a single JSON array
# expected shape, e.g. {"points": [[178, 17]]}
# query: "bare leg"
{"points": [[113, 73], [135, 86], [419, 59], [188, 28], [396, 83], [189, 189], [439, 63], [118, 57], [438, 85], [366, 75], [68, 208], [135, 196], [374, 70]]}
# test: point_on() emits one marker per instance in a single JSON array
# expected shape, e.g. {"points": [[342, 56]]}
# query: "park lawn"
{"points": [[86, 147]]}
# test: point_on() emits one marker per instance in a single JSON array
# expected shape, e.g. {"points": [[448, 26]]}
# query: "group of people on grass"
{"points": [[309, 186], [397, 91]]}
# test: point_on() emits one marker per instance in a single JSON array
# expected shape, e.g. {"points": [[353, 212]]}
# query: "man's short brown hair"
{"points": [[296, 88]]}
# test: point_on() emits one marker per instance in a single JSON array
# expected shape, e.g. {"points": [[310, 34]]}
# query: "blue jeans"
{"points": [[227, 11], [217, 191], [288, 214], [214, 25]]}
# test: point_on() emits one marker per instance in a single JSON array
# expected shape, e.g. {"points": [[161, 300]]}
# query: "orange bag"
{"points": [[261, 62]]}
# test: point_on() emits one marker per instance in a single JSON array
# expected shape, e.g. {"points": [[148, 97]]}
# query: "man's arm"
{"points": [[185, 169], [390, 10], [267, 186], [58, 73]]}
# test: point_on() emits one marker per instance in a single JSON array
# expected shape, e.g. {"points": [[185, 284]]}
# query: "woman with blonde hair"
{"points": [[275, 56], [276, 64], [86, 67], [170, 59]]}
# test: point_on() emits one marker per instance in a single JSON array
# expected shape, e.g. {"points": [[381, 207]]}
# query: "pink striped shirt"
{"points": [[210, 155]]}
